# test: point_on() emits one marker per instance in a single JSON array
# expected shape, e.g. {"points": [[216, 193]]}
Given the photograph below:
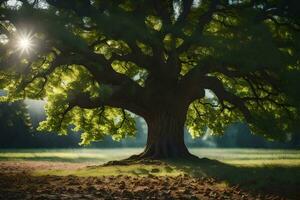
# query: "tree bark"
{"points": [[165, 137], [165, 140]]}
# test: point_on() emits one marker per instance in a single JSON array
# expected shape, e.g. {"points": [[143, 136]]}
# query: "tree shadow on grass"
{"points": [[277, 180]]}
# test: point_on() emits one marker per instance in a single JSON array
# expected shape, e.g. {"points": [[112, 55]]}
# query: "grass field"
{"points": [[237, 157], [261, 170]]}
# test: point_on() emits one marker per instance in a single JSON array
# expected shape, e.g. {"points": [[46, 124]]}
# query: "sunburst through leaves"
{"points": [[25, 42]]}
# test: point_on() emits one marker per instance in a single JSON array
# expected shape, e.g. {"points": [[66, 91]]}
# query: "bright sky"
{"points": [[35, 106], [14, 3], [209, 94]]}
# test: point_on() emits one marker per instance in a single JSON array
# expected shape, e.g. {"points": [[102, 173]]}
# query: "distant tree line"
{"points": [[239, 135], [17, 130]]}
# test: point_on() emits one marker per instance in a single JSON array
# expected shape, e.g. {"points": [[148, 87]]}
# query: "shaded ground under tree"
{"points": [[206, 179]]}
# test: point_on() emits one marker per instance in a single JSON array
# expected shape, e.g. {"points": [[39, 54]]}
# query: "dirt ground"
{"points": [[16, 182]]}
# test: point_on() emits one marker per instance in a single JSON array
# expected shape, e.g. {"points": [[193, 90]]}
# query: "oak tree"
{"points": [[202, 64]]}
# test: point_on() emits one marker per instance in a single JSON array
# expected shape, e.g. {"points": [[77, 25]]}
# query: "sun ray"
{"points": [[24, 42]]}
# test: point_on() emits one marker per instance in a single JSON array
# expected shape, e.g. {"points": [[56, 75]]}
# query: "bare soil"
{"points": [[16, 182]]}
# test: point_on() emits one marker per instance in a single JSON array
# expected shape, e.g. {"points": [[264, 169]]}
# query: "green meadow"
{"points": [[236, 157]]}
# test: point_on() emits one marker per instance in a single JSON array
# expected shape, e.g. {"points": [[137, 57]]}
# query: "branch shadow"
{"points": [[275, 180]]}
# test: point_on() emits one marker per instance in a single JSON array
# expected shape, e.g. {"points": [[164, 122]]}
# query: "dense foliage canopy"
{"points": [[96, 62]]}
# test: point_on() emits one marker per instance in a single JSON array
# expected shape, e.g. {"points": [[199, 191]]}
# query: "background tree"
{"points": [[15, 125], [97, 62]]}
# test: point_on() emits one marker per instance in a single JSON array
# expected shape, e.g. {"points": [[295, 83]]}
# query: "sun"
{"points": [[24, 43]]}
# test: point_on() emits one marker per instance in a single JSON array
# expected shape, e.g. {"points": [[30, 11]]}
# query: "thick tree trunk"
{"points": [[165, 137], [165, 140]]}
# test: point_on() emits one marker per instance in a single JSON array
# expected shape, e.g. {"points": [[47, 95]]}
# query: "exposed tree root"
{"points": [[154, 159]]}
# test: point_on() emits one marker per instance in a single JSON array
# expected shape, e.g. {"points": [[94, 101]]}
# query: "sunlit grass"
{"points": [[235, 157], [92, 156], [129, 170], [239, 157], [252, 157], [265, 162]]}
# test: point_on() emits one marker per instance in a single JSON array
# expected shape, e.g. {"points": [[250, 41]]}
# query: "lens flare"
{"points": [[24, 43]]}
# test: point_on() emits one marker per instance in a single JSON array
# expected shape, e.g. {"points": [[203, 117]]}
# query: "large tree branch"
{"points": [[260, 77], [217, 87], [164, 10], [135, 26], [203, 21], [199, 79], [116, 99], [186, 8], [126, 92], [77, 51]]}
